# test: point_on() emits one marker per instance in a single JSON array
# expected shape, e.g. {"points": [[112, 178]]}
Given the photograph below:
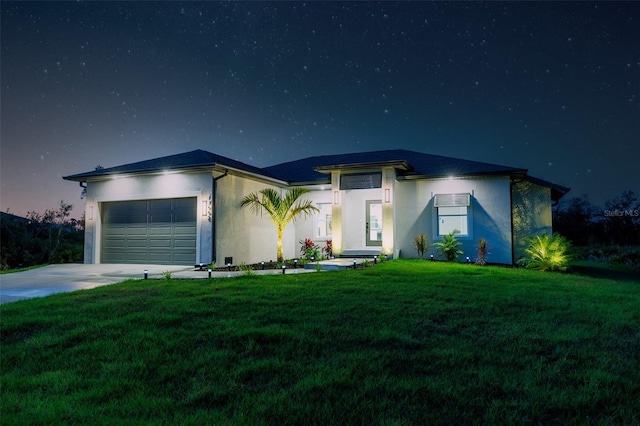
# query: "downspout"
{"points": [[214, 214]]}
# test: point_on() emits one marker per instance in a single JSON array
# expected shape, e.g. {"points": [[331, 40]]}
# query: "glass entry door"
{"points": [[374, 223]]}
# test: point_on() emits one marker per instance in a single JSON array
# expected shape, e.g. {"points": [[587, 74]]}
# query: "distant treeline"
{"points": [[617, 224], [51, 237]]}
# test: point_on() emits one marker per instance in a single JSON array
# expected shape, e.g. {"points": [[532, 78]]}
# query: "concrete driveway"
{"points": [[70, 277]]}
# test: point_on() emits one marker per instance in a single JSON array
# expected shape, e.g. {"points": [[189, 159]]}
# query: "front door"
{"points": [[374, 223]]}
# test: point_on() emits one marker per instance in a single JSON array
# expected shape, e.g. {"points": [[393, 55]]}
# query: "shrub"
{"points": [[450, 246], [246, 269], [420, 243], [546, 253], [328, 249], [483, 252], [309, 249]]}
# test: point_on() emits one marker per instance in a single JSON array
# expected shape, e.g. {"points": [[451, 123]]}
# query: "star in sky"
{"points": [[552, 87]]}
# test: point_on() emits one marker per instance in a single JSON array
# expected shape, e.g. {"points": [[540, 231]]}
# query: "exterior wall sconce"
{"points": [[387, 195], [336, 197], [205, 206], [90, 213]]}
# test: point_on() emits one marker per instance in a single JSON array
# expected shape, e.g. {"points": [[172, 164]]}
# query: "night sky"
{"points": [[552, 87]]}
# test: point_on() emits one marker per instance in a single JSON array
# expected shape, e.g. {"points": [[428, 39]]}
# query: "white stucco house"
{"points": [[185, 208]]}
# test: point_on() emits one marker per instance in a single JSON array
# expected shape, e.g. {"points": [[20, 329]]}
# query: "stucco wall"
{"points": [[304, 226], [240, 233], [162, 186], [531, 214], [490, 215]]}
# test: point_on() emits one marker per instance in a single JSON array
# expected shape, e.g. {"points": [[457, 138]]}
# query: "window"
{"points": [[322, 221], [452, 213]]}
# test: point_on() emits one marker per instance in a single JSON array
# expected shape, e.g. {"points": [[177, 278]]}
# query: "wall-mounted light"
{"points": [[90, 213], [336, 197], [205, 206], [387, 195]]}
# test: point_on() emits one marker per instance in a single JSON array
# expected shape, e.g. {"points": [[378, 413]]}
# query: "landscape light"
{"points": [[209, 272], [467, 259], [431, 257], [146, 274], [354, 264], [375, 259], [283, 268], [262, 264]]}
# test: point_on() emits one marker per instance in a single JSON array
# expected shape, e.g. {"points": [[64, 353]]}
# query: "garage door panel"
{"points": [[149, 231]]}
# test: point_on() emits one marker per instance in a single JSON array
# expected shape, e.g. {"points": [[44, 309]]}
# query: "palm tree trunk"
{"points": [[280, 253]]}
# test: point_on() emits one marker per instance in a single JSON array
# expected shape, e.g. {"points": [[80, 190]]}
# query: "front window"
{"points": [[452, 213], [322, 221], [451, 219]]}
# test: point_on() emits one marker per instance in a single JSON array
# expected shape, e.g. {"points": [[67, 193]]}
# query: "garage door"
{"points": [[149, 231]]}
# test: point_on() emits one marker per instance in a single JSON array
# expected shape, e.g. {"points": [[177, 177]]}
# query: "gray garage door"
{"points": [[149, 231]]}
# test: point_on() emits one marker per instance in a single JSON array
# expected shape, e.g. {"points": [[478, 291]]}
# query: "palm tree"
{"points": [[281, 210]]}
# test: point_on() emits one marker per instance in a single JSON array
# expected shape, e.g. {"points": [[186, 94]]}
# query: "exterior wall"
{"points": [[531, 214], [349, 214], [241, 234], [489, 215], [162, 186], [304, 226]]}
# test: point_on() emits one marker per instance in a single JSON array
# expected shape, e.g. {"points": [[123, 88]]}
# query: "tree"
{"points": [[575, 220], [281, 210], [622, 215]]}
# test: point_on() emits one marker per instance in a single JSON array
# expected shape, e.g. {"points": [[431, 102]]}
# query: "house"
{"points": [[185, 208]]}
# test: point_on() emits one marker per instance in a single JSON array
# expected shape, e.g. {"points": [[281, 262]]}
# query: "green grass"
{"points": [[402, 343], [11, 271]]}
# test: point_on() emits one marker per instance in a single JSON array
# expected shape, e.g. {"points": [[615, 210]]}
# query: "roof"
{"points": [[411, 164], [185, 161]]}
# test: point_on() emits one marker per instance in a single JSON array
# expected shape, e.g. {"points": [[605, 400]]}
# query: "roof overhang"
{"points": [[514, 174], [396, 164], [111, 174]]}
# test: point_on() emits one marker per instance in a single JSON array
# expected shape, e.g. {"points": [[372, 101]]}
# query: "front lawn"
{"points": [[402, 343]]}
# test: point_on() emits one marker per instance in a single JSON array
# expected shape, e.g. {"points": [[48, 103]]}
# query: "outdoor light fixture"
{"points": [[229, 267], [204, 208], [375, 259], [283, 268], [431, 257], [146, 274], [90, 213], [354, 264], [262, 264], [467, 259], [336, 197], [209, 272], [387, 195], [295, 263], [313, 258]]}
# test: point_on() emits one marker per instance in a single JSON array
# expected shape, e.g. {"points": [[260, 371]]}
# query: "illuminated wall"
{"points": [[531, 214], [148, 187], [489, 215]]}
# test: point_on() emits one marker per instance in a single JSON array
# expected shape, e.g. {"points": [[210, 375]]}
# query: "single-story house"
{"points": [[185, 208]]}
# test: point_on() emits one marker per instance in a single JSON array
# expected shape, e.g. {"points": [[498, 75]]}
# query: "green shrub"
{"points": [[547, 253], [246, 269], [450, 246], [420, 243]]}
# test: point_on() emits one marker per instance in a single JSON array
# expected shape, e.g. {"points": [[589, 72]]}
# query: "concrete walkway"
{"points": [[70, 277]]}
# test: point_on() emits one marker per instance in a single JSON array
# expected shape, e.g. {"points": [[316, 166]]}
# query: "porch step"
{"points": [[335, 264], [358, 254]]}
